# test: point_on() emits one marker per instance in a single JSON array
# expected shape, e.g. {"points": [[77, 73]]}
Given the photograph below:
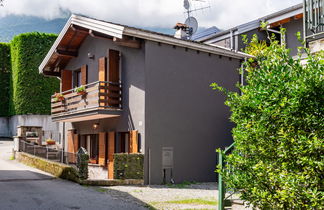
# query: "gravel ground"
{"points": [[194, 196]]}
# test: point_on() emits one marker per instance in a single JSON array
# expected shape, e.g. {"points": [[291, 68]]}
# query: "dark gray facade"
{"points": [[167, 98], [183, 112]]}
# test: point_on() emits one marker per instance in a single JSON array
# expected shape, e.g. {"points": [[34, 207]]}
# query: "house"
{"points": [[146, 92], [290, 18], [306, 18]]}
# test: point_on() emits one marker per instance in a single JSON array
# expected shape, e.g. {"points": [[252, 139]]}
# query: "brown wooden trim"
{"points": [[102, 149], [66, 80], [111, 151], [125, 42], [84, 75], [133, 141]]}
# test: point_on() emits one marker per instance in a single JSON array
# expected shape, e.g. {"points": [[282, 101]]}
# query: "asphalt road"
{"points": [[22, 187]]}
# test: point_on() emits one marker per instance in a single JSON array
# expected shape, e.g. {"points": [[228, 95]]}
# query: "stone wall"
{"points": [[57, 169]]}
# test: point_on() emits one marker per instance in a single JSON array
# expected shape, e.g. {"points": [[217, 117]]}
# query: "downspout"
{"points": [[304, 23], [231, 40]]}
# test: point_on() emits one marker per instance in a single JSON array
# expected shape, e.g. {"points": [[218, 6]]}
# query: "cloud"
{"points": [[148, 13]]}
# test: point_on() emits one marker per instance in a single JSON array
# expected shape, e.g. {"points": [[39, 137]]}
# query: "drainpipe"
{"points": [[231, 40], [242, 75]]}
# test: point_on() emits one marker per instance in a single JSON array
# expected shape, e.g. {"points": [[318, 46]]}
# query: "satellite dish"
{"points": [[193, 24], [186, 4]]}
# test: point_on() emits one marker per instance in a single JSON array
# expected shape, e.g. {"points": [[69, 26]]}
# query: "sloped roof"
{"points": [[71, 38], [271, 19]]}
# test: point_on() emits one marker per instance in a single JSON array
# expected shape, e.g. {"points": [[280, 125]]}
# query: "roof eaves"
{"points": [[184, 43], [256, 23]]}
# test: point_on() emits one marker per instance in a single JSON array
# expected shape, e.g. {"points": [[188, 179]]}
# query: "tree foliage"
{"points": [[5, 69], [278, 158], [30, 91]]}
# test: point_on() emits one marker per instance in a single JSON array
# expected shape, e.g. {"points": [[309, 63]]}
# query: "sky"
{"points": [[150, 13]]}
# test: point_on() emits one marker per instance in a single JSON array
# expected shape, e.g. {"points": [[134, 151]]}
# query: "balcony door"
{"points": [[113, 66]]}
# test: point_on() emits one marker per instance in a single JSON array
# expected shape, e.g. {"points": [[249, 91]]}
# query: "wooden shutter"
{"points": [[113, 66], [111, 151], [103, 77], [84, 75], [66, 80], [102, 69], [102, 148], [73, 145], [76, 143], [133, 141], [70, 141]]}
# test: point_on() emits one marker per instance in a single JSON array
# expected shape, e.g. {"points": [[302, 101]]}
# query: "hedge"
{"points": [[128, 166], [5, 69], [30, 91]]}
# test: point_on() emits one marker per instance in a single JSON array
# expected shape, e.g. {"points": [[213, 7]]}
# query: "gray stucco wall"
{"points": [[183, 112], [4, 127], [133, 85], [293, 27]]}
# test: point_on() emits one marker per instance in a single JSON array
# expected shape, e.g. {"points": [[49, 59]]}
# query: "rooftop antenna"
{"points": [[191, 21]]}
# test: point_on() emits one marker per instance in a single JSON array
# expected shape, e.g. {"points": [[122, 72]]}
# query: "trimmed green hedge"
{"points": [[5, 69], [30, 91], [128, 166]]}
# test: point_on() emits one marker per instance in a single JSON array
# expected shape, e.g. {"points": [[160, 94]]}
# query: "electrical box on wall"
{"points": [[167, 157]]}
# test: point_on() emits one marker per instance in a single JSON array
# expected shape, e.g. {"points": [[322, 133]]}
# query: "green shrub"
{"points": [[5, 69], [31, 91], [278, 159], [128, 166]]}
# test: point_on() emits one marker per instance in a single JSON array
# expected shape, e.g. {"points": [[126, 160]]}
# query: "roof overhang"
{"points": [[274, 20], [78, 28]]}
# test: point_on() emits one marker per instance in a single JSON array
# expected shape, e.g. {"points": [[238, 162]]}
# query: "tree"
{"points": [[278, 158]]}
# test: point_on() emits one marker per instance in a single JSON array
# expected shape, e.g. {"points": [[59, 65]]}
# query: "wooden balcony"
{"points": [[100, 100]]}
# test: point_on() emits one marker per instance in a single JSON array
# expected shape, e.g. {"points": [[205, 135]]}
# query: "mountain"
{"points": [[12, 25]]}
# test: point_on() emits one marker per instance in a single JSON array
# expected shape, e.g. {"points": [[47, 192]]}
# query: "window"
{"points": [[77, 78], [91, 144]]}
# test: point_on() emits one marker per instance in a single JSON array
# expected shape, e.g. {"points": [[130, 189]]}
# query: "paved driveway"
{"points": [[22, 187]]}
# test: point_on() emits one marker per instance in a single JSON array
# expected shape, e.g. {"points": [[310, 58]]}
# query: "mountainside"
{"points": [[12, 25], [16, 24]]}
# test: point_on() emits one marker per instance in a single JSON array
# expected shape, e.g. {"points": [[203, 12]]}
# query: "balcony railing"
{"points": [[98, 96], [313, 18]]}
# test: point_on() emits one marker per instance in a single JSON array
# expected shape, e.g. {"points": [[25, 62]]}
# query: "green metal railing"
{"points": [[313, 19], [221, 185]]}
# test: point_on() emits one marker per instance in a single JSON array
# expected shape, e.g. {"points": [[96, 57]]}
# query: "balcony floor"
{"points": [[85, 116]]}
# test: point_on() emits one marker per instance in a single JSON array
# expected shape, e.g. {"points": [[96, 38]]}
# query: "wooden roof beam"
{"points": [[66, 53], [127, 42]]}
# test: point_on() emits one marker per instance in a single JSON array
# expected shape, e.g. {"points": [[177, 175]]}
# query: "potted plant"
{"points": [[59, 97], [92, 161], [80, 90], [50, 142]]}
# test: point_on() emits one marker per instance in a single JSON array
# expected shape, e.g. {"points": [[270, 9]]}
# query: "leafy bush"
{"points": [[278, 158], [5, 69], [128, 166], [31, 91]]}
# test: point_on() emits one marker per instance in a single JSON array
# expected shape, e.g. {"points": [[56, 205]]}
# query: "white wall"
{"points": [[44, 121]]}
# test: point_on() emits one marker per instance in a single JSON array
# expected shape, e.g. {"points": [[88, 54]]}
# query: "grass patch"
{"points": [[182, 185], [149, 206], [137, 191], [196, 201], [99, 189]]}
